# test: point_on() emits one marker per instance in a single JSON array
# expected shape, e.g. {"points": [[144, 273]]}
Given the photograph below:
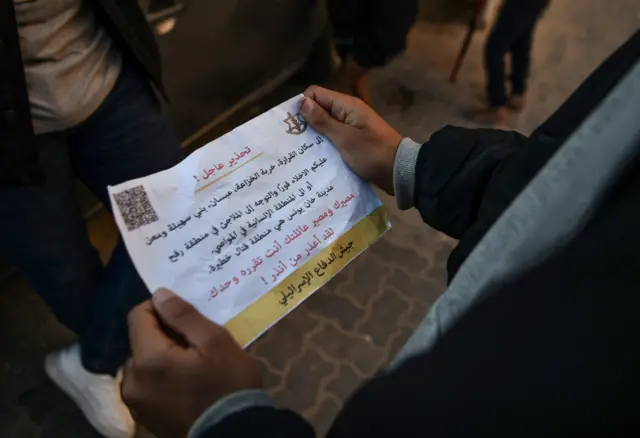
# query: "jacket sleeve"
{"points": [[453, 171], [258, 422]]}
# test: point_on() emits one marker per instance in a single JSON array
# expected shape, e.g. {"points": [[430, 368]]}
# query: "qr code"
{"points": [[135, 207]]}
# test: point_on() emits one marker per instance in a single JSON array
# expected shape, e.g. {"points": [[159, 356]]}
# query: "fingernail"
{"points": [[161, 295], [306, 106]]}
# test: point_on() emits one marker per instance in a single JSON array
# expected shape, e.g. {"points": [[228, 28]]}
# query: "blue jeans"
{"points": [[44, 233]]}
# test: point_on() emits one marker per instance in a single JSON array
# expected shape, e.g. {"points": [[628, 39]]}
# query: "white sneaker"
{"points": [[97, 395]]}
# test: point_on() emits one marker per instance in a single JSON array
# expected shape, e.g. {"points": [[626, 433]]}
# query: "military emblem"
{"points": [[296, 124]]}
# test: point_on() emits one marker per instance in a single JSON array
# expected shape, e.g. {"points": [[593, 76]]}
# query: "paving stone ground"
{"points": [[348, 331]]}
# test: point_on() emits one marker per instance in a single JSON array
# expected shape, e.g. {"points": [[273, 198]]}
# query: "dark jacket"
{"points": [[551, 352], [127, 26]]}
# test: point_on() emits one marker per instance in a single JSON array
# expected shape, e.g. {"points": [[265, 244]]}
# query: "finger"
{"points": [[145, 333], [338, 105], [186, 320], [318, 118]]}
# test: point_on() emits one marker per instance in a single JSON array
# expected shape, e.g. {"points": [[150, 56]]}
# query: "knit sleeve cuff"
{"points": [[227, 406], [404, 172]]}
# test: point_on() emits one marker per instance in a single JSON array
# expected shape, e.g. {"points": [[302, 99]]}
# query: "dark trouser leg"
{"points": [[514, 27], [127, 137], [521, 60], [497, 46], [43, 234], [346, 16]]}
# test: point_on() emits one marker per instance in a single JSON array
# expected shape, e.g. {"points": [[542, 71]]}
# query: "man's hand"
{"points": [[365, 141], [173, 378]]}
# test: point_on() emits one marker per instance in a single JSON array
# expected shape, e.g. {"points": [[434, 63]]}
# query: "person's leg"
{"points": [[127, 137], [354, 80], [348, 17], [521, 60], [514, 21], [497, 46], [44, 235]]}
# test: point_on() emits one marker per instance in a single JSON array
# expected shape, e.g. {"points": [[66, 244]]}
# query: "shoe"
{"points": [[97, 395]]}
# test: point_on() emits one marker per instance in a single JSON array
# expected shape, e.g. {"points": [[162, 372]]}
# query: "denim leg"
{"points": [[127, 137], [44, 235]]}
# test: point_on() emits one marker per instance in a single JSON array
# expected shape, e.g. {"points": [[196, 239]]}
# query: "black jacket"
{"points": [[552, 352], [127, 26]]}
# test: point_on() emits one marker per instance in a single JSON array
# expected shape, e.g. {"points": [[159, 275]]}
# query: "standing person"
{"points": [[76, 102], [512, 33], [536, 332], [368, 34]]}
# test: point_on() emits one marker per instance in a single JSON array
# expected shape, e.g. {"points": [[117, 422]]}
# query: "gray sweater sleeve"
{"points": [[404, 172], [227, 406]]}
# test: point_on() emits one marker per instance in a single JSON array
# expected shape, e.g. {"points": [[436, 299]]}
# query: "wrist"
{"points": [[384, 175]]}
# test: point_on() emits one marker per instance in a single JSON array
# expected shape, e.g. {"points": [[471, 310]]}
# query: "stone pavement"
{"points": [[346, 332]]}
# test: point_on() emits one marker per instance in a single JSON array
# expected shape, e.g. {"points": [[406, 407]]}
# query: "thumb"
{"points": [[320, 120], [185, 320]]}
